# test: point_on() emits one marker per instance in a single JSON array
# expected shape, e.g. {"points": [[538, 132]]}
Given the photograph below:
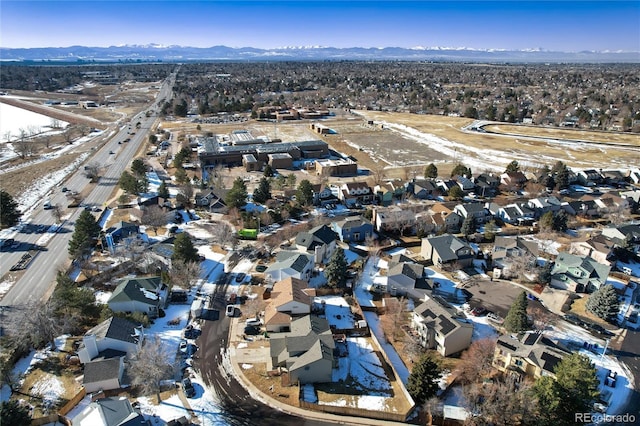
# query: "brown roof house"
{"points": [[440, 327], [290, 297], [306, 352]]}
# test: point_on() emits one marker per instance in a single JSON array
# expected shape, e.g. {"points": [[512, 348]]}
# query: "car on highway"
{"points": [[111, 152], [64, 189]]}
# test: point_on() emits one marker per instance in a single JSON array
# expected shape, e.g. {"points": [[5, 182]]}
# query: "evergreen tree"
{"points": [[163, 191], [128, 183], [461, 170], [431, 171], [268, 171], [544, 273], [13, 413], [560, 173], [560, 221], [423, 380], [183, 249], [604, 302], [9, 213], [336, 269], [138, 168], [262, 192], [304, 193], [468, 226], [237, 195], [546, 221], [512, 167], [572, 391], [517, 320], [85, 234], [456, 193]]}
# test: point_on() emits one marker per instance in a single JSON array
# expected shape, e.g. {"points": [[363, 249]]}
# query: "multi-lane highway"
{"points": [[34, 282]]}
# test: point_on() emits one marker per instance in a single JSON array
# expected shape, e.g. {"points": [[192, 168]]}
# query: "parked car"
{"points": [[573, 319], [251, 330], [478, 311], [183, 346], [240, 277], [261, 268], [231, 310], [188, 388], [599, 329], [64, 189], [253, 322], [495, 318]]}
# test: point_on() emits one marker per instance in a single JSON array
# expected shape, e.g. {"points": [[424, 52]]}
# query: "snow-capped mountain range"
{"points": [[158, 52]]}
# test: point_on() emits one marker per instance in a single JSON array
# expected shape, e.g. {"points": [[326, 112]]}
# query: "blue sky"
{"points": [[509, 24]]}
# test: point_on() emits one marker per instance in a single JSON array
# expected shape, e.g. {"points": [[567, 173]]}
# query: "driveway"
{"points": [[497, 295]]}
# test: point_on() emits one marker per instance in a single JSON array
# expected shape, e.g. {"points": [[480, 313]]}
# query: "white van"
{"points": [[47, 205]]}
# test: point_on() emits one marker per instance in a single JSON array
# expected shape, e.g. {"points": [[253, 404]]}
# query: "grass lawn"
{"points": [[579, 307]]}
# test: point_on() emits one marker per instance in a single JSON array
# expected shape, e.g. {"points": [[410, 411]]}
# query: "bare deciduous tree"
{"points": [[92, 171], [154, 217], [150, 366], [475, 362], [184, 274], [56, 212]]}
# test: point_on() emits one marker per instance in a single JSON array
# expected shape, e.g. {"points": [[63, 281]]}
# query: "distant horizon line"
{"points": [[312, 47]]}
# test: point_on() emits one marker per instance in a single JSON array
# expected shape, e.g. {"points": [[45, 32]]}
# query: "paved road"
{"points": [[38, 278], [238, 407]]}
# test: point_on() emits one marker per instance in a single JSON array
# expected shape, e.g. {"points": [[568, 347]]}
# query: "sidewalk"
{"points": [[257, 394]]}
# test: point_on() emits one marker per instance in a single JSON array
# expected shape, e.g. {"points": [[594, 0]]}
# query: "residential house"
{"points": [[320, 242], [477, 211], [624, 235], [423, 189], [120, 231], [354, 193], [445, 218], [290, 297], [634, 175], [466, 184], [516, 214], [614, 178], [446, 185], [386, 193], [353, 229], [580, 274], [512, 247], [611, 202], [585, 208], [163, 203], [103, 374], [210, 201], [513, 180], [145, 295], [446, 249], [440, 327], [306, 352], [322, 195], [599, 248], [542, 205], [113, 411], [487, 185], [290, 264], [112, 337], [533, 355], [589, 177], [394, 218], [407, 278]]}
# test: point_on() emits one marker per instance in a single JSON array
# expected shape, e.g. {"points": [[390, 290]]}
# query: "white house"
{"points": [[115, 334]]}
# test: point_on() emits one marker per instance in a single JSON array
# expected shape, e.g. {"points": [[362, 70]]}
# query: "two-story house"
{"points": [[542, 205], [353, 229], [290, 298], [477, 211], [533, 355], [113, 336], [423, 189], [394, 218], [580, 274], [446, 249], [320, 242], [487, 185], [290, 264], [354, 193], [440, 327]]}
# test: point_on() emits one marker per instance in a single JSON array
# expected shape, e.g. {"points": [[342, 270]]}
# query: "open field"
{"points": [[572, 134]]}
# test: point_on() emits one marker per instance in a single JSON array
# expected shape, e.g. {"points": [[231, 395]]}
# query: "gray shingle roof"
{"points": [[118, 329], [97, 371]]}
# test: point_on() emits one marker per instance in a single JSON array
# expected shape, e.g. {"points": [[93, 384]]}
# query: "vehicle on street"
{"points": [[47, 205], [183, 346], [240, 277], [495, 318], [261, 268], [111, 152], [64, 189], [231, 310]]}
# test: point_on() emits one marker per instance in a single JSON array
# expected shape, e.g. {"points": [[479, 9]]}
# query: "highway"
{"points": [[35, 282]]}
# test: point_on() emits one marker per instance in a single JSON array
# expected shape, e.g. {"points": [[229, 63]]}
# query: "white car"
{"points": [[254, 322], [231, 310]]}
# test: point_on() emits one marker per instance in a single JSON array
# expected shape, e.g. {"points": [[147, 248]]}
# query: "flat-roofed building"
{"points": [[342, 167], [280, 160]]}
